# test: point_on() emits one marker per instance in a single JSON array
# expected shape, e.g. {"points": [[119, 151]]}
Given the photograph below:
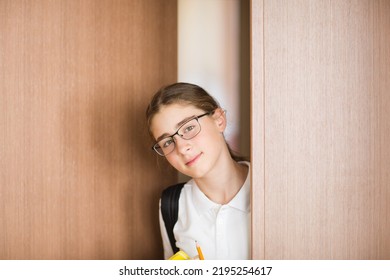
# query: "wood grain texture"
{"points": [[77, 177], [327, 121], [257, 130]]}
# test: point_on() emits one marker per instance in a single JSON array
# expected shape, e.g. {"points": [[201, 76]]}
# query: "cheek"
{"points": [[211, 138], [173, 160]]}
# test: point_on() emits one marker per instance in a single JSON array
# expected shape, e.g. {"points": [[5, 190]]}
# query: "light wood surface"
{"points": [[326, 127], [78, 179], [257, 130]]}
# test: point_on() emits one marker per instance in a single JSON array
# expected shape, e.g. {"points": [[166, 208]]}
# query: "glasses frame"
{"points": [[155, 146]]}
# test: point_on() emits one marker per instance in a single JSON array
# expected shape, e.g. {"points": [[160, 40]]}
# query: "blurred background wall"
{"points": [[213, 52]]}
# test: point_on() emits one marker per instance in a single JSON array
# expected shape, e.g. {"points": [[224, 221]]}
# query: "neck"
{"points": [[224, 183]]}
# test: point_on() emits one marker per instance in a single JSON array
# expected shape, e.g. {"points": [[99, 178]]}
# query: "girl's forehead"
{"points": [[174, 112], [169, 116]]}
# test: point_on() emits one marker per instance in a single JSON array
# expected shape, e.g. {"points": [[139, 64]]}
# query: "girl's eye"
{"points": [[167, 142], [188, 128]]}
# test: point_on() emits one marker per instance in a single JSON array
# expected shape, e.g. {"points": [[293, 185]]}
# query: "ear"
{"points": [[219, 117]]}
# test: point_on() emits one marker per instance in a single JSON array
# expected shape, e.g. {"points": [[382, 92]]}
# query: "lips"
{"points": [[193, 160]]}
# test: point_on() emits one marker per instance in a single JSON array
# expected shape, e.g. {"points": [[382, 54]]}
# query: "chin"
{"points": [[196, 174], [197, 171]]}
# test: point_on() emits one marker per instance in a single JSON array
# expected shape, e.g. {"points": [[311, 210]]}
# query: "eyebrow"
{"points": [[178, 125]]}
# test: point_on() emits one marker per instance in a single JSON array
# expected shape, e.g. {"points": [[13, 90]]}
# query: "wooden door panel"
{"points": [[324, 109], [78, 178]]}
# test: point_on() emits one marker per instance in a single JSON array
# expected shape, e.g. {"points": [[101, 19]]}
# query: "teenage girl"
{"points": [[187, 125]]}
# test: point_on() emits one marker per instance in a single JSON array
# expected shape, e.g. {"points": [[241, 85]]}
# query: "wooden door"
{"points": [[321, 129], [78, 179]]}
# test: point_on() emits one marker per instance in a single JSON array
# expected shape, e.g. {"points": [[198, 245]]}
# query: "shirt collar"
{"points": [[241, 201]]}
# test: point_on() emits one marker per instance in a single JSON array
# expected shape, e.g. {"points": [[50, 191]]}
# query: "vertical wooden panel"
{"points": [[298, 107], [326, 79], [380, 119], [257, 129], [78, 179]]}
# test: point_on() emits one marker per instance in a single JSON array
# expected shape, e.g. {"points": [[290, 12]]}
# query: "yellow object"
{"points": [[199, 251], [180, 256]]}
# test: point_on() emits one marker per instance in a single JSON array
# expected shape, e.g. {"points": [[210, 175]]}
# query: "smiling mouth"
{"points": [[192, 161]]}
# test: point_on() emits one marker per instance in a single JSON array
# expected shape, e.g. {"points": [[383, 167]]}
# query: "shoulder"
{"points": [[172, 192], [179, 187], [174, 187]]}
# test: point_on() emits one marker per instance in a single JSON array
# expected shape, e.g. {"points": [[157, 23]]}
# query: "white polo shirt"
{"points": [[222, 231]]}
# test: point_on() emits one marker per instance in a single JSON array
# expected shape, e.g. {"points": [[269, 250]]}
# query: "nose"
{"points": [[182, 145]]}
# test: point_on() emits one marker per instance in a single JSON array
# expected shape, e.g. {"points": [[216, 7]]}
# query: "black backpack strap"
{"points": [[170, 209]]}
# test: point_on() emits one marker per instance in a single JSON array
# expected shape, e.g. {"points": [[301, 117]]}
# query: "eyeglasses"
{"points": [[186, 131]]}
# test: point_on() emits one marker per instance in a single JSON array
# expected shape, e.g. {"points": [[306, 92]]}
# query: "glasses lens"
{"points": [[165, 146], [187, 131], [190, 129]]}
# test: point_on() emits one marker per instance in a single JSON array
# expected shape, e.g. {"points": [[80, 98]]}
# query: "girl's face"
{"points": [[194, 157]]}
